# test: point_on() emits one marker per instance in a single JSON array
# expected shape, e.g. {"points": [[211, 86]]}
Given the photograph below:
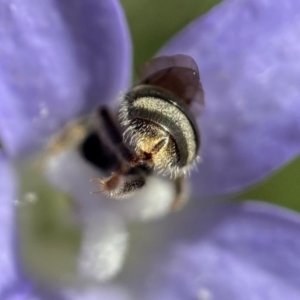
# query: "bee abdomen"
{"points": [[153, 105]]}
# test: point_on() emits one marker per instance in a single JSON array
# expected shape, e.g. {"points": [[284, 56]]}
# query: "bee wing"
{"points": [[178, 73]]}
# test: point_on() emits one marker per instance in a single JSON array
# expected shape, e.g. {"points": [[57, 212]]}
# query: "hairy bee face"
{"points": [[156, 129]]}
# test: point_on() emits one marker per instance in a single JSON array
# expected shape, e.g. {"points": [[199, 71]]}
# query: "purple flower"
{"points": [[61, 59]]}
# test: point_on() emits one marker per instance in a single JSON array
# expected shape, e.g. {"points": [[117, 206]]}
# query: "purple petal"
{"points": [[248, 53], [12, 284], [248, 251], [97, 293], [86, 292], [59, 59]]}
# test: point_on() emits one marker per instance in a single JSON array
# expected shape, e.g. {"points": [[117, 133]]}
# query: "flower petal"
{"points": [[59, 59], [103, 220], [248, 54], [13, 285], [81, 291], [104, 234], [248, 251], [11, 282], [97, 293]]}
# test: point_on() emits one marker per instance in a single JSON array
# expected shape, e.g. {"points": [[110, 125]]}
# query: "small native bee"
{"points": [[155, 130]]}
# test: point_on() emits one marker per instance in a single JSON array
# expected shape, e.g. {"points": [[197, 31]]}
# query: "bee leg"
{"points": [[181, 194], [120, 185], [110, 132], [108, 128]]}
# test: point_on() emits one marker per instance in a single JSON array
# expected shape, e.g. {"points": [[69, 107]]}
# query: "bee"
{"points": [[155, 130]]}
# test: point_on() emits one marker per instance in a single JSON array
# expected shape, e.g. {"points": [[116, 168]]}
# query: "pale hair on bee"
{"points": [[155, 130]]}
